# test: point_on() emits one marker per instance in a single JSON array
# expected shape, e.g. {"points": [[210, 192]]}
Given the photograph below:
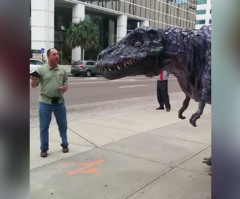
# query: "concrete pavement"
{"points": [[140, 153]]}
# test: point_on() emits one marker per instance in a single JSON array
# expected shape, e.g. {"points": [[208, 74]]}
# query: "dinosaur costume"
{"points": [[184, 53]]}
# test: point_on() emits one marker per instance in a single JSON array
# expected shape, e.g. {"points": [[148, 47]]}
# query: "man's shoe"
{"points": [[43, 154], [65, 149], [160, 108], [168, 109]]}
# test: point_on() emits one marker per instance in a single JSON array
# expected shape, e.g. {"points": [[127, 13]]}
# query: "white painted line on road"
{"points": [[97, 81], [132, 86], [102, 81]]}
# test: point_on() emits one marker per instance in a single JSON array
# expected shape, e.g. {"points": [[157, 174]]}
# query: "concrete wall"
{"points": [[42, 24]]}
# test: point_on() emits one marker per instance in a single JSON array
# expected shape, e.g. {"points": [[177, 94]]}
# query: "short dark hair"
{"points": [[48, 51]]}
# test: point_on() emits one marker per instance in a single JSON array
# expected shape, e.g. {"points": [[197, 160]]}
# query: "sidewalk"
{"points": [[136, 154]]}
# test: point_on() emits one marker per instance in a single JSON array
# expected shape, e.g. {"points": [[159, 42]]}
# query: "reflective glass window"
{"points": [[200, 12], [199, 2], [200, 21]]}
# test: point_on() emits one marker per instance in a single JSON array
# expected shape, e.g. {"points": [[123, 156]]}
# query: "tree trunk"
{"points": [[82, 53]]}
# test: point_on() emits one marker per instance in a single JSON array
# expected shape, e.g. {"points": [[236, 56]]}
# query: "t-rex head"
{"points": [[136, 54]]}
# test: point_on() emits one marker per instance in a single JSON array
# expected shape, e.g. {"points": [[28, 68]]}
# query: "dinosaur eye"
{"points": [[137, 43]]}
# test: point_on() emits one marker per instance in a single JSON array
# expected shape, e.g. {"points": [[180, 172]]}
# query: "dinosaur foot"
{"points": [[207, 161], [194, 118]]}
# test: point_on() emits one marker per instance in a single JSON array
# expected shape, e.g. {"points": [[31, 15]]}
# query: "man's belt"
{"points": [[54, 100]]}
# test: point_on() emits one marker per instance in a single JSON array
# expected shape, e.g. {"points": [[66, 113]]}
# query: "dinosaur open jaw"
{"points": [[120, 66]]}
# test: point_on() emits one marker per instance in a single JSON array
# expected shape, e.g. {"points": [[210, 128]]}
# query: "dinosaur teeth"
{"points": [[125, 64]]}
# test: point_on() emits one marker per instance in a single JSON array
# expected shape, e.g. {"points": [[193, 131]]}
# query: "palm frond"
{"points": [[84, 34]]}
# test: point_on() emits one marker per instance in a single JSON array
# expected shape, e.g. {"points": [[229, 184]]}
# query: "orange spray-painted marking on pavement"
{"points": [[85, 168], [64, 164]]}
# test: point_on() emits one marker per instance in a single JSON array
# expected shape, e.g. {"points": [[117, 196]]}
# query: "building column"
{"points": [[121, 27], [78, 14], [144, 23], [42, 25]]}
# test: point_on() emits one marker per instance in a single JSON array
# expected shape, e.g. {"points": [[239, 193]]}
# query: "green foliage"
{"points": [[84, 34], [92, 53]]}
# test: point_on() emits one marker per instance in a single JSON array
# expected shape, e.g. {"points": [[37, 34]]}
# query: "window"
{"points": [[199, 2], [201, 12], [210, 11], [180, 1], [200, 21], [78, 62], [33, 62], [90, 63], [39, 63], [210, 21]]}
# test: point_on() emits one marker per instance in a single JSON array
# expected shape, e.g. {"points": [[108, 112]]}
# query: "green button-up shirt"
{"points": [[50, 80]]}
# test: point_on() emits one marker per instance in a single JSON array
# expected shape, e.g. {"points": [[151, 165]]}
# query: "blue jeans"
{"points": [[45, 116]]}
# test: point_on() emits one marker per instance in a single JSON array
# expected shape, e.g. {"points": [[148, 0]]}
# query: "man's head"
{"points": [[53, 57]]}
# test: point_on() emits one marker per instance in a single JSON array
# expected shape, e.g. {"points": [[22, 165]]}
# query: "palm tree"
{"points": [[84, 34]]}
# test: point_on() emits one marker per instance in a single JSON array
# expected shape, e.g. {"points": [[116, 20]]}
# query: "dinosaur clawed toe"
{"points": [[194, 118], [207, 161]]}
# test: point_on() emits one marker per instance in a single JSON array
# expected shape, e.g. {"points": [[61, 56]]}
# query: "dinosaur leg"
{"points": [[197, 115], [183, 108], [205, 96]]}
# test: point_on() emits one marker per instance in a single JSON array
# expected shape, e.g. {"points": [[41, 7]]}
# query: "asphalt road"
{"points": [[84, 90]]}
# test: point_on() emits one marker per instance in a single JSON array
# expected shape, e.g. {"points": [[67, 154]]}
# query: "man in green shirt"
{"points": [[53, 81]]}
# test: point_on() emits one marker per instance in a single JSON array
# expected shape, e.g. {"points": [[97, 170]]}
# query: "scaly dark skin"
{"points": [[184, 53]]}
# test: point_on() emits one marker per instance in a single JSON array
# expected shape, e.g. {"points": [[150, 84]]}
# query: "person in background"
{"points": [[162, 91], [53, 81]]}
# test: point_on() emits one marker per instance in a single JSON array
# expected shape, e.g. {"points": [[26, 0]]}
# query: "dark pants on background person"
{"points": [[45, 116], [162, 94]]}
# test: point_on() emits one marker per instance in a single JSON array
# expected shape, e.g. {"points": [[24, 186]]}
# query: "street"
{"points": [[84, 90]]}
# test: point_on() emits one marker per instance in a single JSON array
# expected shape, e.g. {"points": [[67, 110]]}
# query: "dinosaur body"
{"points": [[184, 53]]}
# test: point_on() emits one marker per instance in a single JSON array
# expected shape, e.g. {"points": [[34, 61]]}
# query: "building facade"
{"points": [[203, 13], [114, 18]]}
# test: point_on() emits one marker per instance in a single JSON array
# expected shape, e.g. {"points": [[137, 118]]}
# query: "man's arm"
{"points": [[65, 83], [34, 82]]}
